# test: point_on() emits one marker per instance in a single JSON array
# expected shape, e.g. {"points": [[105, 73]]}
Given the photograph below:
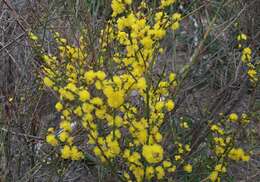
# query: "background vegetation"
{"points": [[205, 53]]}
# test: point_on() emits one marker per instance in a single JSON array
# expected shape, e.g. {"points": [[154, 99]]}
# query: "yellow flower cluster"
{"points": [[243, 119], [246, 58], [238, 154], [188, 168], [241, 37], [101, 98], [119, 6], [115, 99], [246, 54], [224, 141], [153, 153], [214, 175], [72, 153], [166, 3]]}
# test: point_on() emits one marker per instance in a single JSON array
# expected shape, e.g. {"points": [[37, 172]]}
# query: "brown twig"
{"points": [[15, 14], [21, 134]]}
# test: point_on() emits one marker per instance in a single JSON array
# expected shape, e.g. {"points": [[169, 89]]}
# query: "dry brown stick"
{"points": [[11, 57], [10, 43], [22, 134]]}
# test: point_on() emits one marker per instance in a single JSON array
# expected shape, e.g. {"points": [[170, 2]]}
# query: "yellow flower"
{"points": [[171, 169], [147, 42], [121, 26], [65, 152], [149, 173], [65, 113], [58, 106], [114, 147], [176, 16], [97, 101], [165, 3], [48, 82], [78, 111], [142, 136], [101, 75], [97, 151], [66, 125], [177, 157], [187, 168], [169, 105], [118, 134], [118, 121], [138, 173], [158, 16], [66, 94], [87, 108], [63, 136], [220, 168], [127, 176], [62, 40], [130, 20], [100, 113], [153, 153], [72, 87], [245, 158], [158, 137], [98, 85], [184, 125], [84, 95], [51, 139], [219, 150], [187, 148], [167, 164], [216, 128], [32, 36], [129, 2], [220, 141], [51, 130], [172, 77], [70, 140], [117, 7], [213, 176], [117, 80], [160, 172], [233, 117], [159, 105], [126, 153], [245, 57], [245, 119], [161, 50], [115, 99], [90, 76], [175, 26], [241, 37], [141, 84], [75, 153], [251, 73], [247, 51], [237, 154], [159, 33]]}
